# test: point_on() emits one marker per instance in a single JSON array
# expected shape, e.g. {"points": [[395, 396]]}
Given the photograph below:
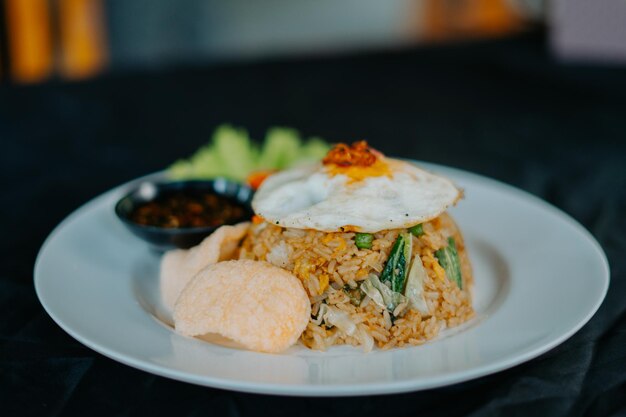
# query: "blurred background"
{"points": [[115, 89], [94, 93], [78, 39]]}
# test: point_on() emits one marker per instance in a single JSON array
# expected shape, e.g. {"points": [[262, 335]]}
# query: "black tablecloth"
{"points": [[501, 108]]}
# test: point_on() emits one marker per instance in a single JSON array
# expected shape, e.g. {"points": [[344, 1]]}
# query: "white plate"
{"points": [[539, 277]]}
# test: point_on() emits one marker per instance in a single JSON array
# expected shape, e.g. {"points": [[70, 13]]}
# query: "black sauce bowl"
{"points": [[164, 238]]}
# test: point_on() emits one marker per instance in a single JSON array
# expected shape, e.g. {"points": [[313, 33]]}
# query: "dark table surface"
{"points": [[501, 108]]}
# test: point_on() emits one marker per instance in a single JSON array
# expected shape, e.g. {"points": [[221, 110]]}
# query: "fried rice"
{"points": [[331, 267]]}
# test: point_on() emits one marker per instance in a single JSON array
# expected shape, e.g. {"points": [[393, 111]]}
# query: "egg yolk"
{"points": [[357, 161]]}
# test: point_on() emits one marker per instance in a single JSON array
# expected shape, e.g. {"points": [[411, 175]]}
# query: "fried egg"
{"points": [[333, 197]]}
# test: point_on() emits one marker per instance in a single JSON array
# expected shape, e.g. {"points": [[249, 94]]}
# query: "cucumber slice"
{"points": [[233, 149], [281, 148]]}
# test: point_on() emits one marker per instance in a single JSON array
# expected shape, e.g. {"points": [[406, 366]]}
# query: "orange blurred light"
{"points": [[83, 43], [29, 39], [446, 19]]}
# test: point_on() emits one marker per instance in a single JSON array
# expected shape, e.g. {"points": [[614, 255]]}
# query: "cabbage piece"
{"points": [[341, 320], [382, 294], [373, 292], [364, 337], [354, 294], [335, 317], [414, 290]]}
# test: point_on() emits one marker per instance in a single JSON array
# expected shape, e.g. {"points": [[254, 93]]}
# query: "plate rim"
{"points": [[331, 390]]}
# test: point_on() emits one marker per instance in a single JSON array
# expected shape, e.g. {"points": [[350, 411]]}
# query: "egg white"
{"points": [[309, 197]]}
